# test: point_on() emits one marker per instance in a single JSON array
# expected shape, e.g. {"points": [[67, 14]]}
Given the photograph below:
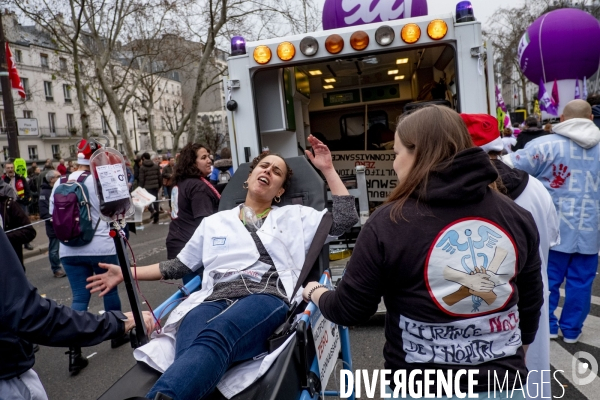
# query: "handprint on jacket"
{"points": [[560, 176]]}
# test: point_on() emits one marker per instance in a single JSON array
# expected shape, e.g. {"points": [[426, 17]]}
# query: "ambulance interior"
{"points": [[353, 103]]}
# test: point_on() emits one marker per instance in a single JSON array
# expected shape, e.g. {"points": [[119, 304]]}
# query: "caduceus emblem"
{"points": [[480, 275]]}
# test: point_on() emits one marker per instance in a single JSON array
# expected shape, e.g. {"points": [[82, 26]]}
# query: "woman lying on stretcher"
{"points": [[252, 256]]}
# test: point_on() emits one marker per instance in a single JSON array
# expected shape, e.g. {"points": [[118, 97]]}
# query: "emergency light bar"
{"points": [[336, 43]]}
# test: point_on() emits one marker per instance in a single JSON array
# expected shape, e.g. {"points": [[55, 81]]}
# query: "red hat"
{"points": [[483, 129], [85, 151]]}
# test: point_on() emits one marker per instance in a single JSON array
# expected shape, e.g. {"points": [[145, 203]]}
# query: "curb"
{"points": [[38, 250]]}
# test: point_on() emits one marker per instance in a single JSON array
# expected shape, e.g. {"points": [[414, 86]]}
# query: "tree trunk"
{"points": [[83, 116], [151, 124]]}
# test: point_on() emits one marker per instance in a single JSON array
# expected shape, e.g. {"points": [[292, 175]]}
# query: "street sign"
{"points": [[27, 127]]}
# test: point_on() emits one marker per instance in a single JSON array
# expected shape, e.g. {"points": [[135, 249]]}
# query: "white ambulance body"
{"points": [[352, 99]]}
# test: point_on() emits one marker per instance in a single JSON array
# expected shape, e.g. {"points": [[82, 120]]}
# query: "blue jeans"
{"points": [[53, 256], [78, 269], [579, 271], [210, 339]]}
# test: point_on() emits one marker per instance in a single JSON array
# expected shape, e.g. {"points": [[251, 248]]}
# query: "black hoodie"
{"points": [[26, 318], [527, 135], [513, 179], [422, 263]]}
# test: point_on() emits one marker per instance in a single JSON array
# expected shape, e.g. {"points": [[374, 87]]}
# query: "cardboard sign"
{"points": [[379, 170], [27, 127], [327, 344]]}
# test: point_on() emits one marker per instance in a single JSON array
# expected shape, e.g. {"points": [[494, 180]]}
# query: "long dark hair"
{"points": [[185, 166], [434, 134]]}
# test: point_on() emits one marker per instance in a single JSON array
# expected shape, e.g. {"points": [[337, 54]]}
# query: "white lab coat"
{"points": [[536, 199], [222, 244]]}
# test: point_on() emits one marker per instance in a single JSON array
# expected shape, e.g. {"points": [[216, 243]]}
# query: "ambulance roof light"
{"points": [[238, 46], [464, 12]]}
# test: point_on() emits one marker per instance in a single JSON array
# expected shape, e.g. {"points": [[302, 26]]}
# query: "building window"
{"points": [[25, 82], [33, 153], [52, 122], [5, 153], [63, 64], [48, 91], [70, 122], [27, 114], [56, 151], [18, 56], [67, 93], [84, 96], [104, 125], [73, 150], [121, 148], [44, 60], [100, 96]]}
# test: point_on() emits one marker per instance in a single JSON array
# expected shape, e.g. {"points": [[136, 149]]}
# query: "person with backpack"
{"points": [[84, 240]]}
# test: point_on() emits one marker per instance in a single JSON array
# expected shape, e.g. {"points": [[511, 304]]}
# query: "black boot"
{"points": [[120, 341], [76, 361]]}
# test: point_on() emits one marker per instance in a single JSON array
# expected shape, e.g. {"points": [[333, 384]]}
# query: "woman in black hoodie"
{"points": [[456, 262]]}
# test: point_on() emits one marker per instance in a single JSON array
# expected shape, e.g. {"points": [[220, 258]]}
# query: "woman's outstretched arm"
{"points": [[322, 160]]}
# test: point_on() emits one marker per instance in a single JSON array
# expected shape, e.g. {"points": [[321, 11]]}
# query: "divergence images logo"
{"points": [[584, 372]]}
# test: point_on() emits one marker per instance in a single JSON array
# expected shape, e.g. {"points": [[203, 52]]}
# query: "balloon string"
{"points": [[540, 43]]}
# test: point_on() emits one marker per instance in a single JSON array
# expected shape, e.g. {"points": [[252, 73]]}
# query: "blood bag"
{"points": [[110, 173]]}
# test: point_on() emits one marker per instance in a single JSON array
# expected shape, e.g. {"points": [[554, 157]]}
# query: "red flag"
{"points": [[13, 74], [555, 94]]}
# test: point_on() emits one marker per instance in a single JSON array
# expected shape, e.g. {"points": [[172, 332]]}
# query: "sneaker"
{"points": [[572, 341], [554, 335], [60, 274], [28, 246]]}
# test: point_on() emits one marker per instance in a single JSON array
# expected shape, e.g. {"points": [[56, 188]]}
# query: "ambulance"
{"points": [[348, 87]]}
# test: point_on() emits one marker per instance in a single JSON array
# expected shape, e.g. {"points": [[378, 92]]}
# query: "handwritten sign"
{"points": [[327, 343], [379, 170], [465, 342]]}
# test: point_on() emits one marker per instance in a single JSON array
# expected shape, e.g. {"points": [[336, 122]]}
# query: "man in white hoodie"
{"points": [[568, 164]]}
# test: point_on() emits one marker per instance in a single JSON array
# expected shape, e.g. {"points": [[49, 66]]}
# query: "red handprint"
{"points": [[560, 176]]}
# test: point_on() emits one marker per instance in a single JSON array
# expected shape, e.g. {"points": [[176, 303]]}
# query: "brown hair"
{"points": [[288, 175], [434, 134], [186, 164]]}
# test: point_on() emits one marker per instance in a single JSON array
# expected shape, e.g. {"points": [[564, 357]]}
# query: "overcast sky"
{"points": [[483, 8]]}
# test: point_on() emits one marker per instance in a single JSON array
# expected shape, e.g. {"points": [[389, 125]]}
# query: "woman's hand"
{"points": [[322, 160], [103, 283], [322, 157], [148, 321]]}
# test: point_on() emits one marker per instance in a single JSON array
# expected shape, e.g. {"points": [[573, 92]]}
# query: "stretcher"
{"points": [[296, 373]]}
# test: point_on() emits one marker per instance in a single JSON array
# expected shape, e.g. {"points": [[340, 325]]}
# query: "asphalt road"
{"points": [[107, 365]]}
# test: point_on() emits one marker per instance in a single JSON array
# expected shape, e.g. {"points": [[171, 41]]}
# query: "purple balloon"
{"points": [[562, 44], [340, 13]]}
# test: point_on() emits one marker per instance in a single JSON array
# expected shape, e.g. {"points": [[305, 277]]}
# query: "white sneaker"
{"points": [[554, 336], [571, 341]]}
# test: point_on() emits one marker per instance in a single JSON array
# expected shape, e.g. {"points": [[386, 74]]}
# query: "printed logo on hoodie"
{"points": [[469, 268]]}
